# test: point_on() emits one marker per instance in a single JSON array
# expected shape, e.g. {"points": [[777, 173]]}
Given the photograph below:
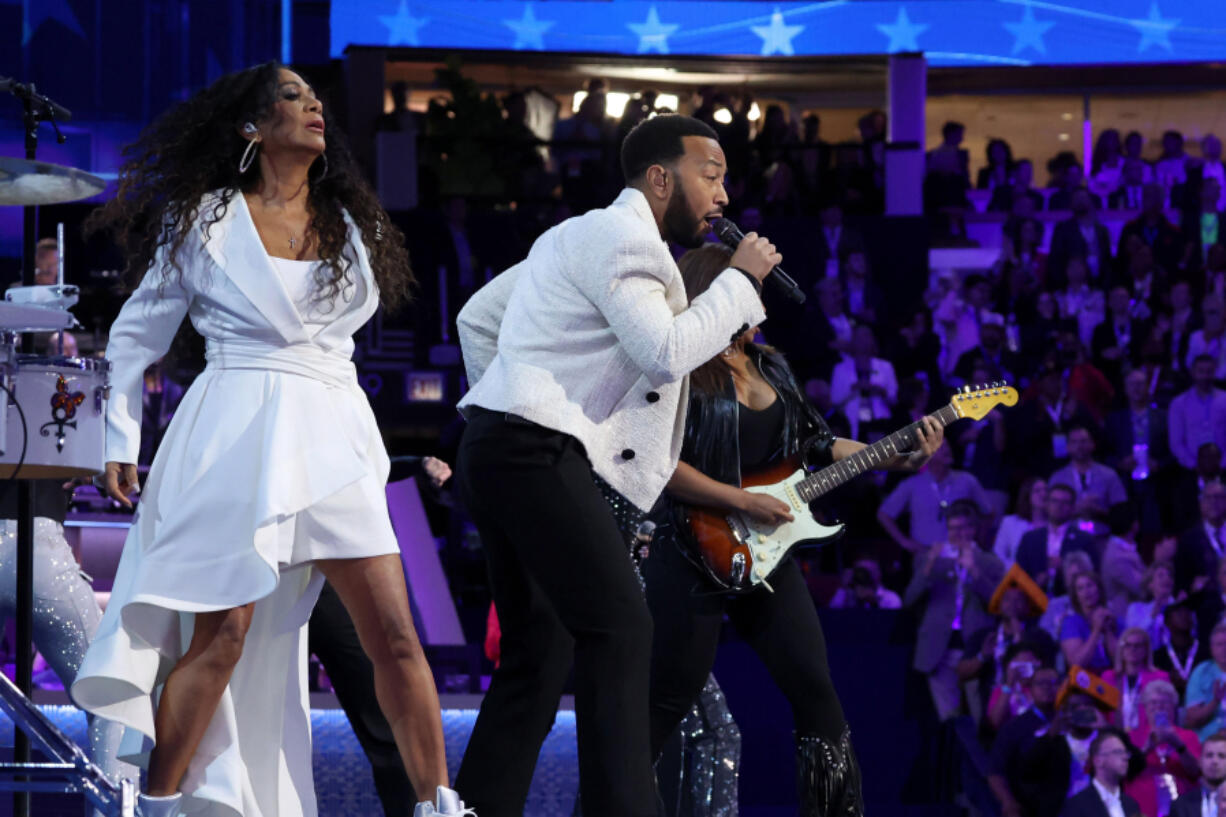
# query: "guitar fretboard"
{"points": [[873, 456]]}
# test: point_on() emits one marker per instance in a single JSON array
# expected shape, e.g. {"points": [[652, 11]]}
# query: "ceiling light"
{"points": [[723, 116], [755, 113]]}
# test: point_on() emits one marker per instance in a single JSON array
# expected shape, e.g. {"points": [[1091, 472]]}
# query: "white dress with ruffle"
{"points": [[273, 460]]}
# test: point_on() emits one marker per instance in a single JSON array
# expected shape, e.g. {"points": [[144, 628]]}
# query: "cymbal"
{"points": [[25, 182]]}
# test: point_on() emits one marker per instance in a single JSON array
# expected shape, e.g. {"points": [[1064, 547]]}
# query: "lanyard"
{"points": [[1131, 715], [1056, 411], [1184, 668]]}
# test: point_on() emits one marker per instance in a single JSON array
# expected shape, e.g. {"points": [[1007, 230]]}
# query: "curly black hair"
{"points": [[195, 148]]}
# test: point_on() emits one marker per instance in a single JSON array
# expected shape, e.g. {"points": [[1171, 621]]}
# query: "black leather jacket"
{"points": [[711, 438]]}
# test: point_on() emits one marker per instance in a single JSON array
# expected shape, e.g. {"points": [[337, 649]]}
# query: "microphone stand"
{"points": [[37, 109]]}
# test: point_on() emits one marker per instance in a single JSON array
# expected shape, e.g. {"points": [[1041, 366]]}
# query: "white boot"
{"points": [[149, 806], [446, 804]]}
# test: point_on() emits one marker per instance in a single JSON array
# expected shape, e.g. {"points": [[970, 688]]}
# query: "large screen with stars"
{"points": [[950, 32]]}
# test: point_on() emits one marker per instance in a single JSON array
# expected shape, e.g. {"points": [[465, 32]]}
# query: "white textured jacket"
{"points": [[593, 335]]}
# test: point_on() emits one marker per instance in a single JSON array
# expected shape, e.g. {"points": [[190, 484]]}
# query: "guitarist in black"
{"points": [[746, 411]]}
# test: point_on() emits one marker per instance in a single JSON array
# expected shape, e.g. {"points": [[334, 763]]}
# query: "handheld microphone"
{"points": [[731, 235]]}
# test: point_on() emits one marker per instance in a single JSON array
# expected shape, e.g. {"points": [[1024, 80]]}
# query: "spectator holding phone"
{"points": [[1172, 754], [1013, 695]]}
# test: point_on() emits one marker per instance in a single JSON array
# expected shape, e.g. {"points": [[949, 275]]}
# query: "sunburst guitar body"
{"points": [[739, 554]]}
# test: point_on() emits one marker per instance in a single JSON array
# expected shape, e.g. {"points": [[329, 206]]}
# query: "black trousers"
{"points": [[782, 627], [334, 639], [565, 592]]}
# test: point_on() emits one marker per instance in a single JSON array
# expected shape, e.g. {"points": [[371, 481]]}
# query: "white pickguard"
{"points": [[770, 545]]}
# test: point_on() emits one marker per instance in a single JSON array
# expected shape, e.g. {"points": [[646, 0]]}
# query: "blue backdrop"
{"points": [[951, 32]]}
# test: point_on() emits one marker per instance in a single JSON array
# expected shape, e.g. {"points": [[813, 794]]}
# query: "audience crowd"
{"points": [[1066, 557]]}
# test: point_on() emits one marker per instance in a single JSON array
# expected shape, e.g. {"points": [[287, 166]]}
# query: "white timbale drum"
{"points": [[64, 403]]}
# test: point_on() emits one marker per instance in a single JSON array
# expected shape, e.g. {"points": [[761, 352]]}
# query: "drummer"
{"points": [[46, 263]]}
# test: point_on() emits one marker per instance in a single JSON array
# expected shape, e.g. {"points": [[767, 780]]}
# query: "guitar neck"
{"points": [[873, 456]]}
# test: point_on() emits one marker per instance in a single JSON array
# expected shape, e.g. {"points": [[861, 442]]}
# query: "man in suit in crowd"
{"points": [[1096, 485], [1153, 227], [812, 160], [954, 580], [1116, 342], [1139, 451], [1082, 235], [1132, 187], [835, 242], [1041, 551], [1187, 485], [1140, 422], [1108, 764], [1202, 546], [1203, 800]]}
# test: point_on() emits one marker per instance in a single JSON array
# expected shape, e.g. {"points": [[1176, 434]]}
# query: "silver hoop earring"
{"points": [[248, 155], [323, 175]]}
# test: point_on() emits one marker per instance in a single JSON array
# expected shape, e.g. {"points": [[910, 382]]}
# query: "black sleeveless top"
{"points": [[760, 433]]}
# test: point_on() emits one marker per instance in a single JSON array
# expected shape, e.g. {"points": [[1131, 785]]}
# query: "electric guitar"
{"points": [[739, 554]]}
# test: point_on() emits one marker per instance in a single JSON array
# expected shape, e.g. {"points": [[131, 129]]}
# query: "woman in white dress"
{"points": [[236, 212]]}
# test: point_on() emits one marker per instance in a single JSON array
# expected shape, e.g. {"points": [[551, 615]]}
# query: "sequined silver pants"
{"points": [[66, 616]]}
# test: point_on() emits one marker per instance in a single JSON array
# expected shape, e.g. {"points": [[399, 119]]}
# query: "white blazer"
{"points": [[237, 302], [593, 335]]}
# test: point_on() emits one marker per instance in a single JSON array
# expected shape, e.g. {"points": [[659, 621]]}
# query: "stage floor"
{"points": [[343, 785]]}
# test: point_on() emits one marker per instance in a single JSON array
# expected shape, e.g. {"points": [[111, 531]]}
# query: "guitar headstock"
{"points": [[975, 402]]}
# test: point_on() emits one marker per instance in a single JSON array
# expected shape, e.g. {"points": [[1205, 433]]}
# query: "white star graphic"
{"points": [[902, 32], [777, 37], [403, 27], [529, 31], [1029, 32], [1154, 30], [653, 35]]}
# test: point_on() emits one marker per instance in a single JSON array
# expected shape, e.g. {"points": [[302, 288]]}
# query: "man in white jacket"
{"points": [[578, 358]]}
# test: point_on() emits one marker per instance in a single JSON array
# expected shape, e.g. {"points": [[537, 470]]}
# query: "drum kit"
{"points": [[52, 424]]}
